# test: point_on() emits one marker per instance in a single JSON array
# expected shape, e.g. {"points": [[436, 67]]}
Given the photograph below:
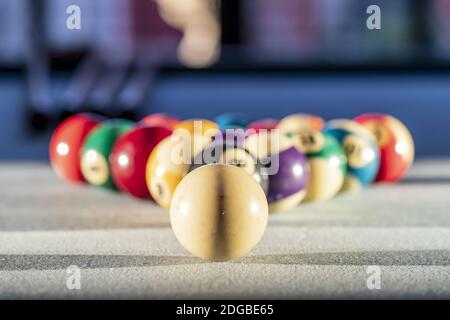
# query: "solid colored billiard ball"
{"points": [[232, 120], [395, 143], [286, 166], [262, 124], [129, 157], [97, 148], [199, 132], [327, 163], [218, 212], [159, 119], [289, 179], [363, 156], [298, 122], [166, 166], [229, 152], [66, 143]]}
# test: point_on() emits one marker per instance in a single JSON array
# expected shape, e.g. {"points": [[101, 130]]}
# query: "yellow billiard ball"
{"points": [[166, 166]]}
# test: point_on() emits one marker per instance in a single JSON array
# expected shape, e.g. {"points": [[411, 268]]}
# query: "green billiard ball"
{"points": [[96, 149], [327, 160]]}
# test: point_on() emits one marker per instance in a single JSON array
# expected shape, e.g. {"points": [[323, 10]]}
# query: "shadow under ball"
{"points": [[218, 212]]}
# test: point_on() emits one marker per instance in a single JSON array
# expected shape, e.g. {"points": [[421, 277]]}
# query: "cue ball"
{"points": [[129, 158], [395, 143], [218, 212], [363, 156], [97, 148], [66, 143]]}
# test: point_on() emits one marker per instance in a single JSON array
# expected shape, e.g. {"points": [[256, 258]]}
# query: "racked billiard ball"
{"points": [[66, 143], [287, 184], [229, 152], [199, 132], [363, 156], [166, 166], [97, 148], [265, 143], [299, 122], [129, 157], [232, 120], [262, 124], [218, 212], [395, 143], [327, 161], [159, 119], [287, 168]]}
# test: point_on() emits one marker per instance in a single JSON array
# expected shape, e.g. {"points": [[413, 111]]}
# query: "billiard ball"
{"points": [[262, 124], [229, 152], [265, 143], [66, 143], [327, 163], [218, 212], [232, 135], [298, 122], [97, 148], [395, 143], [288, 179], [159, 119], [199, 132], [166, 166], [202, 127], [363, 156], [129, 157], [232, 120]]}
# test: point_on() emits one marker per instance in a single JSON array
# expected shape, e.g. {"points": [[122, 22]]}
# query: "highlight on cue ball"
{"points": [[218, 212]]}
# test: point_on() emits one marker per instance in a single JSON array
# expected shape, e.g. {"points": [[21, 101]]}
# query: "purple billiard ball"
{"points": [[287, 184]]}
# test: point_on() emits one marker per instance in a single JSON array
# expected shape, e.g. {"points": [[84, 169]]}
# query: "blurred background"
{"points": [[200, 58]]}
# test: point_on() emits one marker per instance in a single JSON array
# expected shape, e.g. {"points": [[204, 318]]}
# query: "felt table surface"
{"points": [[125, 248]]}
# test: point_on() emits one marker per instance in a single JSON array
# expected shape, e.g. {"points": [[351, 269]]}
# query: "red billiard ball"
{"points": [[263, 124], [395, 143], [129, 157], [159, 119], [66, 143]]}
